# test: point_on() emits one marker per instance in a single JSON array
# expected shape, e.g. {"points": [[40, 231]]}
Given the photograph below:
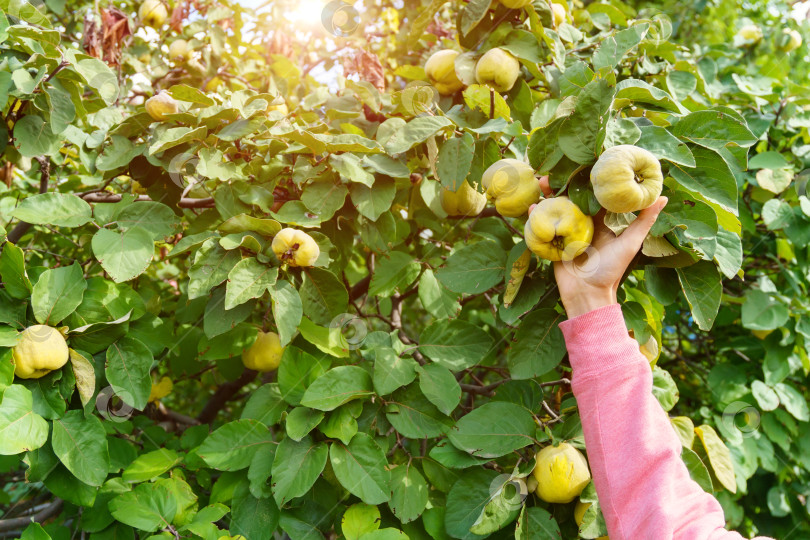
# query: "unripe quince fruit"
{"points": [[441, 70], [516, 4], [626, 178], [792, 42], [39, 350], [153, 13], [512, 185], [161, 105], [179, 50], [295, 247], [498, 69], [558, 12], [465, 201], [265, 353], [561, 472], [579, 515], [750, 33], [557, 230]]}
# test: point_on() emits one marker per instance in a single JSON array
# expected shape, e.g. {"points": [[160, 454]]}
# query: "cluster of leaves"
{"points": [[410, 399]]}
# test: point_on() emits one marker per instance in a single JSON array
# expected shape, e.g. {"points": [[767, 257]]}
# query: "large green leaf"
{"points": [[323, 296], [360, 467], [336, 387], [60, 209], [232, 446], [455, 344], [539, 345], [124, 255], [21, 429], [148, 507], [409, 492], [703, 289], [466, 502], [81, 444], [494, 429], [296, 467], [129, 362], [57, 293]]}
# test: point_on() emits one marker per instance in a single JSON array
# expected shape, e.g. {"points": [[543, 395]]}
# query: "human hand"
{"points": [[591, 280]]}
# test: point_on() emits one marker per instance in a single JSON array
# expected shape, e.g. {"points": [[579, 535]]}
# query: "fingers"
{"points": [[638, 230], [544, 186]]}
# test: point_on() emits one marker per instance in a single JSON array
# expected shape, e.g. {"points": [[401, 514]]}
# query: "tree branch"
{"points": [[44, 177], [17, 523], [106, 197], [222, 395]]}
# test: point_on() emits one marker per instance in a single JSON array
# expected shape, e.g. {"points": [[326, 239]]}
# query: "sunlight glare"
{"points": [[306, 12]]}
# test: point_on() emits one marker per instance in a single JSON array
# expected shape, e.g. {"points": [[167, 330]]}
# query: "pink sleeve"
{"points": [[644, 488]]}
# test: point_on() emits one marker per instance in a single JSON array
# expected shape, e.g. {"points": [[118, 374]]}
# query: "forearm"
{"points": [[644, 488]]}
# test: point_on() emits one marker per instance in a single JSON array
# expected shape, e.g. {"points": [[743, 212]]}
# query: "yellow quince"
{"points": [[511, 184], [561, 472], [265, 353], [39, 350], [498, 69], [295, 247], [791, 40], [465, 201], [161, 105], [626, 178], [558, 12], [153, 13], [750, 34], [441, 71], [179, 51], [557, 230]]}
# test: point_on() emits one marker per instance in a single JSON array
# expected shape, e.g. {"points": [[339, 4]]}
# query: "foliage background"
{"points": [[150, 243]]}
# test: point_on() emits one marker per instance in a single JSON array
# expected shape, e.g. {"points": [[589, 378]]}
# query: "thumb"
{"points": [[638, 230]]}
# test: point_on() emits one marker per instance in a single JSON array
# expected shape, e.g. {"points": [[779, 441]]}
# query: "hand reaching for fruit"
{"points": [[591, 280]]}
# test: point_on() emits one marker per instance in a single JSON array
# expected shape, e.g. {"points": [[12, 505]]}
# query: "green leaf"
{"points": [[719, 456], [129, 362], [34, 137], [794, 401], [80, 443], [664, 145], [254, 518], [323, 295], [472, 14], [664, 388], [391, 371], [212, 264], [718, 131], [413, 416], [766, 397], [12, 271], [436, 298], [324, 198], [638, 91], [454, 161], [60, 209], [217, 320], [697, 469], [265, 404], [474, 268], [372, 201], [21, 429], [232, 446], [394, 272], [300, 421], [456, 344], [582, 133], [711, 178], [123, 255], [184, 92], [57, 293], [358, 520], [287, 310], [466, 502], [296, 467], [439, 386], [535, 523], [148, 507], [34, 531], [760, 311], [416, 131], [539, 345], [297, 371], [151, 465], [248, 279], [483, 98], [409, 494], [155, 217], [612, 49], [336, 387], [360, 467], [117, 154], [494, 429], [703, 288]]}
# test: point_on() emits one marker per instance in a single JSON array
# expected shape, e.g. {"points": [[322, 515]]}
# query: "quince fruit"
{"points": [[626, 178], [579, 515], [750, 34], [790, 40], [512, 185], [761, 334], [441, 70], [561, 472], [179, 51], [558, 12], [279, 105], [557, 230], [161, 105], [265, 353], [516, 4], [465, 201], [213, 84], [39, 350], [153, 13], [498, 69], [295, 247]]}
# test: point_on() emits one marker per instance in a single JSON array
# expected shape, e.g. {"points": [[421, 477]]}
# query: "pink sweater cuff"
{"points": [[598, 341]]}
